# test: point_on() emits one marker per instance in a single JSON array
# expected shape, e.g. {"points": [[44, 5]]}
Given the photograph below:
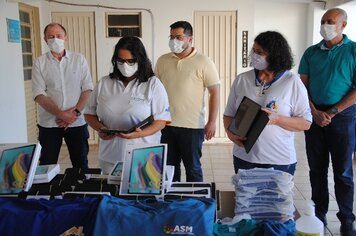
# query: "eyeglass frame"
{"points": [[129, 62], [178, 37]]}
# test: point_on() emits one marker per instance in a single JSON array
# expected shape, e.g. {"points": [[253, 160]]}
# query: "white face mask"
{"points": [[55, 45], [259, 62], [127, 70], [328, 32], [176, 45]]}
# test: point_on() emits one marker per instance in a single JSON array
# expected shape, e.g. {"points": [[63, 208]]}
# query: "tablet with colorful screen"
{"points": [[143, 169], [17, 168]]}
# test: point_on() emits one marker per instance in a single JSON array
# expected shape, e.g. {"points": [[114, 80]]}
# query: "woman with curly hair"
{"points": [[282, 96]]}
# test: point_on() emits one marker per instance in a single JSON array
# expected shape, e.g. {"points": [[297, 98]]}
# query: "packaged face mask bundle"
{"points": [[264, 194]]}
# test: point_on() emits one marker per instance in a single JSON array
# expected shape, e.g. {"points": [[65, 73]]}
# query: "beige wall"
{"points": [[298, 20], [12, 93], [157, 17]]}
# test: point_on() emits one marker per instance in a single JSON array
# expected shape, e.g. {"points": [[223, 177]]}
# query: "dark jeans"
{"points": [[335, 141], [76, 139], [184, 145], [245, 165]]}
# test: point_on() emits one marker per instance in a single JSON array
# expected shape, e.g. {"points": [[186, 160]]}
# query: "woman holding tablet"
{"points": [[124, 98], [281, 95]]}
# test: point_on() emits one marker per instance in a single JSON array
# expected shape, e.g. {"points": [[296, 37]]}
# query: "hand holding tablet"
{"points": [[140, 125]]}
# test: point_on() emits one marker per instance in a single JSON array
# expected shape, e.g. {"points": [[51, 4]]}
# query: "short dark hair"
{"points": [[54, 24], [188, 29], [279, 53], [138, 51]]}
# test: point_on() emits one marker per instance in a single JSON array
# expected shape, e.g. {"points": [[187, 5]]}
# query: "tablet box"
{"points": [[116, 173], [45, 173]]}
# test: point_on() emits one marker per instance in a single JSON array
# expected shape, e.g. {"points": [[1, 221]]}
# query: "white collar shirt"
{"points": [[62, 81], [287, 97], [119, 107]]}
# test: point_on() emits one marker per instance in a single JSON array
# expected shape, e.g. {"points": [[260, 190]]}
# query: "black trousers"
{"points": [[76, 138]]}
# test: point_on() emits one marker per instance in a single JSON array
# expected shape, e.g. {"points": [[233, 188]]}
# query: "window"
{"points": [[31, 48], [123, 24], [26, 41]]}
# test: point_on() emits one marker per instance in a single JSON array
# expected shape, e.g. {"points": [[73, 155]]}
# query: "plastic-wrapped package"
{"points": [[264, 194]]}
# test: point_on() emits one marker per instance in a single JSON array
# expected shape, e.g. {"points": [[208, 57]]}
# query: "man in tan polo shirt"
{"points": [[186, 75]]}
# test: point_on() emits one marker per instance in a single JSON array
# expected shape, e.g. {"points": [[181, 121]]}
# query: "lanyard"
{"points": [[262, 83]]}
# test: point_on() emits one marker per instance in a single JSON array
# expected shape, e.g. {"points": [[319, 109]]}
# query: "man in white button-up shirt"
{"points": [[61, 85]]}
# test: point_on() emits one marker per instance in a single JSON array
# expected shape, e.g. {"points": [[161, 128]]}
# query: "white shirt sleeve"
{"points": [[301, 107], [160, 104], [92, 102], [87, 82], [38, 84]]}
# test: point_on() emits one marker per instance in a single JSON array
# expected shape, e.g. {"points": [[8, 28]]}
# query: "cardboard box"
{"points": [[225, 204]]}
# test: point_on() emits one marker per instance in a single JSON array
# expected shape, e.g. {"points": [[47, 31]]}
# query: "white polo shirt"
{"points": [[62, 81], [119, 107], [288, 97]]}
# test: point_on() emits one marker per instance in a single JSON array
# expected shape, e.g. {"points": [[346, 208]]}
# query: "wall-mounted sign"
{"points": [[13, 30], [244, 48]]}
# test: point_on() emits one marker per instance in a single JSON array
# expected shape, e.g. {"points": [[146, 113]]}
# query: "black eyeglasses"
{"points": [[129, 62]]}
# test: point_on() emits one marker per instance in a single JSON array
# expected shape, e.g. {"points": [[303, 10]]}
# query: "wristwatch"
{"points": [[334, 110], [78, 113]]}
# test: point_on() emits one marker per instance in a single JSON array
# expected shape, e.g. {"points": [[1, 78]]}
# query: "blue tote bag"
{"points": [[47, 217], [194, 216]]}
